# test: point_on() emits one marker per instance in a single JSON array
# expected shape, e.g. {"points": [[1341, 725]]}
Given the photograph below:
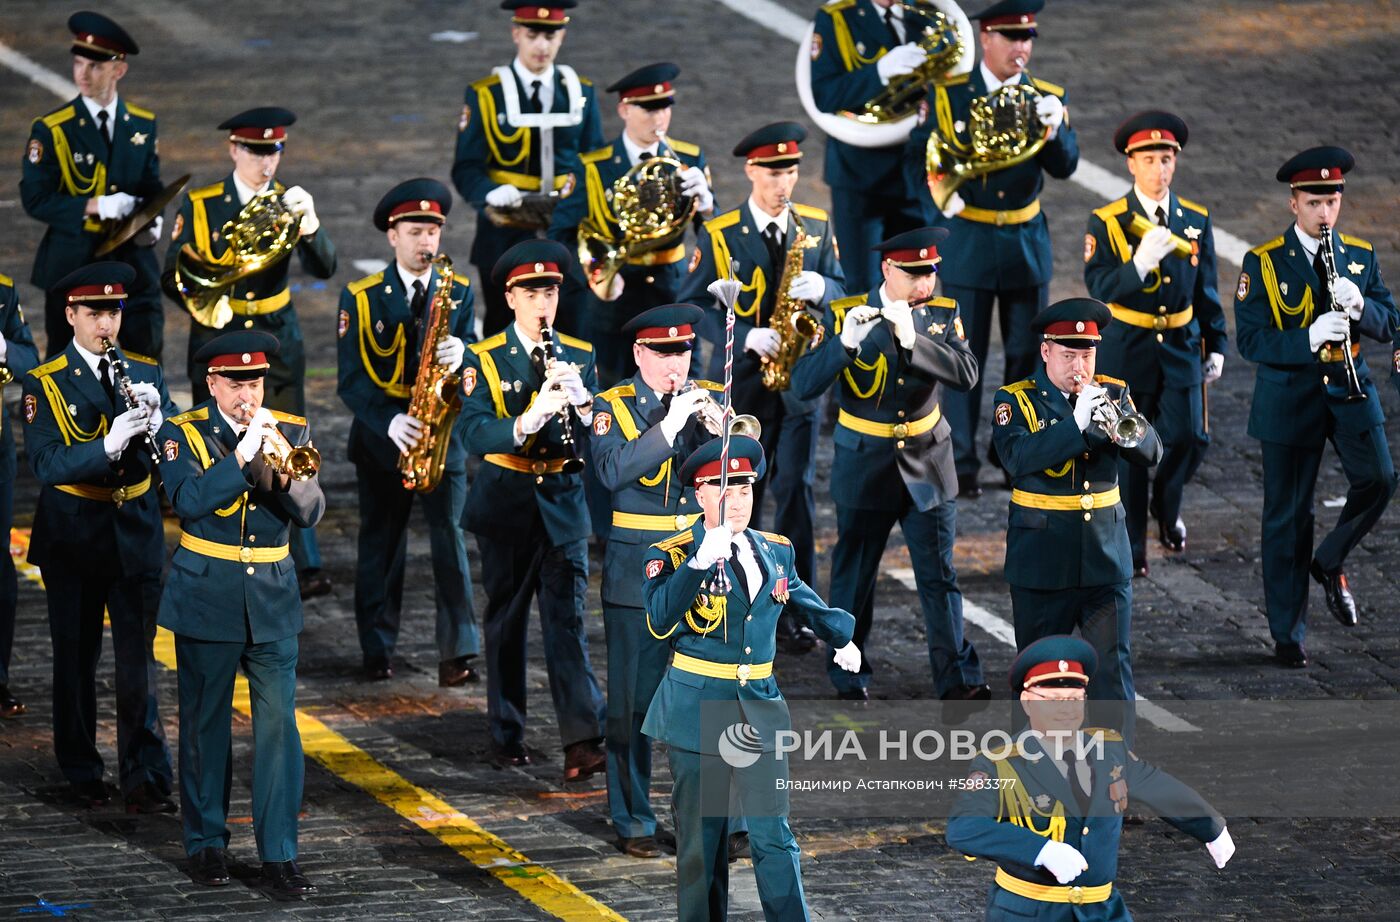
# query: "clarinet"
{"points": [[1329, 264], [109, 349], [574, 463]]}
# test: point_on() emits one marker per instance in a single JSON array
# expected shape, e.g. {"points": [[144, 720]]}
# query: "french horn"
{"points": [[652, 213], [262, 234], [1003, 131]]}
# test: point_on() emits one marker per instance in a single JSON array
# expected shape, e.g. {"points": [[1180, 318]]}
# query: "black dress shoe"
{"points": [[147, 798], [583, 760], [285, 878], [512, 754], [639, 846], [793, 638], [313, 583], [1139, 568], [968, 487], [1173, 536], [455, 672], [10, 706], [739, 846], [1339, 600], [377, 669], [91, 793], [962, 701], [854, 694], [209, 867], [1291, 655], [968, 693]]}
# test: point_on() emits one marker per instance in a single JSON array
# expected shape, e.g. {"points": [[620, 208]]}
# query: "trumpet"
{"points": [[1119, 419], [299, 463], [711, 415], [1140, 225]]}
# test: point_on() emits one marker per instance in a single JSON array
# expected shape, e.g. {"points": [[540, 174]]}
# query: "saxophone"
{"points": [[795, 326], [437, 393]]}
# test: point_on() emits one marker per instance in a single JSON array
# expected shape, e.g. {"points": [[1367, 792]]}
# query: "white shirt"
{"points": [[762, 219], [111, 110], [528, 79], [635, 154], [245, 191], [1150, 205], [993, 84], [885, 300], [1310, 244], [409, 278]]}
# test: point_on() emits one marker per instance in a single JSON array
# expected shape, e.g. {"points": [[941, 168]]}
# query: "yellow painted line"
{"points": [[426, 810]]}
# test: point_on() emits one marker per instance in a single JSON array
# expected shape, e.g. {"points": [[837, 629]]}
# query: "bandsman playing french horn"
{"points": [[1060, 434], [381, 328], [212, 270]]}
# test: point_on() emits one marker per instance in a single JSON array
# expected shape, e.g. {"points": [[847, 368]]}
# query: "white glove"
{"points": [[150, 399], [899, 61], [300, 203], [1050, 111], [717, 545], [1064, 861], [1213, 367], [251, 443], [858, 324], [546, 406], [764, 341], [4, 349], [115, 206], [450, 353], [1329, 327], [1155, 244], [124, 428], [404, 432], [506, 196], [151, 235], [1348, 298], [683, 408], [808, 286], [954, 207], [902, 316], [615, 291], [1222, 848], [223, 313], [693, 184], [848, 657], [571, 384], [1090, 399]]}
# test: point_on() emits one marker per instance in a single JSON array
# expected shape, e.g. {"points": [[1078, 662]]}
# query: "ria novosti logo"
{"points": [[740, 745]]}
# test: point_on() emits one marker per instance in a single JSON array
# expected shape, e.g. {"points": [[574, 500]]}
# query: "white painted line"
{"points": [[1002, 630], [1104, 183], [369, 266], [451, 35], [37, 73]]}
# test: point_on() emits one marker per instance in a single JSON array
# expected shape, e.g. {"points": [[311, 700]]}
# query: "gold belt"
{"points": [[262, 306], [889, 430], [659, 257], [232, 552], [1331, 353], [988, 216], [1047, 893], [741, 672], [666, 523], [116, 495], [525, 465], [1158, 322], [1049, 501], [523, 181]]}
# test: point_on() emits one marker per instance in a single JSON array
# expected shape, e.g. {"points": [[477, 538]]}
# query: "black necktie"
{"points": [[104, 129], [739, 570], [420, 297], [1323, 301], [1161, 216], [104, 369], [889, 24], [537, 360], [1081, 796], [772, 239], [535, 105]]}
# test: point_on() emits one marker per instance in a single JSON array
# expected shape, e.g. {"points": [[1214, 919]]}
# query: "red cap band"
{"points": [[96, 293], [1016, 22], [540, 16], [1321, 175], [738, 466], [251, 135], [1055, 669], [1153, 137], [419, 208], [924, 256], [679, 333], [238, 361], [1072, 329], [783, 150], [528, 271], [647, 93]]}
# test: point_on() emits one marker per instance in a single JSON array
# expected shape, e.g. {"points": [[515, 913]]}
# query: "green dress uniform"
{"points": [[98, 543], [894, 463], [721, 678], [20, 358], [380, 333], [232, 601], [67, 162]]}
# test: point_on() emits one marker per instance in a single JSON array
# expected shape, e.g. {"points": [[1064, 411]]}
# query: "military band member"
{"points": [[643, 430], [97, 538], [759, 234], [518, 143], [1067, 556], [263, 300], [88, 163], [891, 361], [1053, 825], [998, 251], [17, 358], [858, 47], [528, 511], [1286, 324], [381, 325], [721, 673], [232, 601], [647, 279], [1169, 338]]}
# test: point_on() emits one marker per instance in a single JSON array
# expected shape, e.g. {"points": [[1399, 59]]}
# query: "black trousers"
{"points": [[1177, 413]]}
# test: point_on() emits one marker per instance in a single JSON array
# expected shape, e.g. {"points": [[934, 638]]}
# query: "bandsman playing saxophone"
{"points": [[779, 245], [261, 300], [381, 325]]}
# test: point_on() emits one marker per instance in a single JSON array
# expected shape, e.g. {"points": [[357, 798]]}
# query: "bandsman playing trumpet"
{"points": [[527, 402], [650, 275], [239, 476], [261, 300], [643, 430], [1150, 256], [766, 235], [1060, 434], [1300, 310], [380, 329], [891, 353], [998, 251], [97, 538]]}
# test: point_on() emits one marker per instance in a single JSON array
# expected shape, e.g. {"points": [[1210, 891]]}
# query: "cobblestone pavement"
{"points": [[378, 101]]}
